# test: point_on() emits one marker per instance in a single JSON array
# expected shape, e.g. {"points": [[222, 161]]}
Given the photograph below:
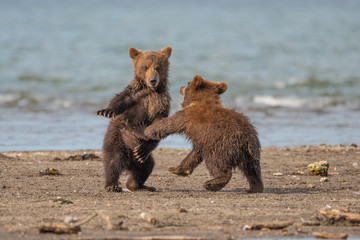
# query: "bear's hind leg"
{"points": [[188, 164], [147, 169], [252, 172], [139, 174], [113, 169], [219, 182]]}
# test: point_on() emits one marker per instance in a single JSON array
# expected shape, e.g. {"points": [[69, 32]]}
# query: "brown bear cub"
{"points": [[144, 101], [221, 137]]}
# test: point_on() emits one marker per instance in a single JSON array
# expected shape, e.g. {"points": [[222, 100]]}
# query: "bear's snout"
{"points": [[182, 91], [153, 81], [152, 78]]}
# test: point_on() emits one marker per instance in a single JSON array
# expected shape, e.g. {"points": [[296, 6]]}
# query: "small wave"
{"points": [[307, 82], [315, 82], [299, 102], [61, 103], [280, 101], [40, 79], [5, 98], [32, 103]]}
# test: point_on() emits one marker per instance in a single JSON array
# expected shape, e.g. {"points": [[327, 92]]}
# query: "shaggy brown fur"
{"points": [[144, 101], [222, 137]]}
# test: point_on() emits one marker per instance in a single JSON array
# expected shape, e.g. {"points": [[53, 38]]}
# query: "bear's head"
{"points": [[151, 68], [200, 89]]}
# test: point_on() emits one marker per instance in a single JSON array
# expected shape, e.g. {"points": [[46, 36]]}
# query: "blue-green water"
{"points": [[292, 66]]}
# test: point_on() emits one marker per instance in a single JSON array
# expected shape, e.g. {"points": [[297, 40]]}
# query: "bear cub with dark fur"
{"points": [[143, 102], [221, 137]]}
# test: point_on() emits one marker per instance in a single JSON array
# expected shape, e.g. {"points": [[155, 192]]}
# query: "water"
{"points": [[292, 66]]}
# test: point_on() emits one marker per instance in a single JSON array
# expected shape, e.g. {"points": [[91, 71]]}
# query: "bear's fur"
{"points": [[221, 137], [144, 101]]}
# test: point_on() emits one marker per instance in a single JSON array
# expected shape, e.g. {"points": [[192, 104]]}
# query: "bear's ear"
{"points": [[198, 81], [222, 87], [166, 51], [133, 52]]}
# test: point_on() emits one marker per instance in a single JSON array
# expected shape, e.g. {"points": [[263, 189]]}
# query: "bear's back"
{"points": [[213, 125]]}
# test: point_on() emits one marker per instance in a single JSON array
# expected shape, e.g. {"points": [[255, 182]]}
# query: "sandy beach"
{"points": [[180, 208]]}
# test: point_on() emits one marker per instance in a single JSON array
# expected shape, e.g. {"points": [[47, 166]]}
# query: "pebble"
{"points": [[70, 219], [328, 207], [278, 174], [61, 200], [246, 227], [181, 210], [148, 217], [296, 178], [324, 179]]}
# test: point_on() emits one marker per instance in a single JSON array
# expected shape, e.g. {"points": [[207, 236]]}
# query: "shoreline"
{"points": [[29, 200]]}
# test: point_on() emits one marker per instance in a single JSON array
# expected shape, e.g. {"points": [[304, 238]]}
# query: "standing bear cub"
{"points": [[221, 137], [144, 101]]}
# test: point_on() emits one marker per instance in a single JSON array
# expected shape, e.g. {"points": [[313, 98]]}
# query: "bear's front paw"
{"points": [[179, 171], [139, 133], [140, 154], [115, 188], [107, 112]]}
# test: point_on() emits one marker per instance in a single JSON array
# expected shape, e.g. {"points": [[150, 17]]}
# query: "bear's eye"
{"points": [[157, 68], [145, 68]]}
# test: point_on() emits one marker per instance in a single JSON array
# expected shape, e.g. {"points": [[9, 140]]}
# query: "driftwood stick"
{"points": [[59, 229], [337, 215], [330, 235], [269, 225], [109, 225], [86, 220], [66, 229]]}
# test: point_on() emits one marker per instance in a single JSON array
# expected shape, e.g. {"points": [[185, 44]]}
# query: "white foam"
{"points": [[63, 103], [8, 97], [290, 82], [280, 101]]}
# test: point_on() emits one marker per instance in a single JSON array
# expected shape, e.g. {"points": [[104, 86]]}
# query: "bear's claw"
{"points": [[138, 158], [139, 155], [108, 113]]}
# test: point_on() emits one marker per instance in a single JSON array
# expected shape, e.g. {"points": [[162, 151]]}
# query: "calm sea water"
{"points": [[292, 66]]}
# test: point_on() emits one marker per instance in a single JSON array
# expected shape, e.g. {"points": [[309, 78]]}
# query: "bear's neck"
{"points": [[208, 101]]}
